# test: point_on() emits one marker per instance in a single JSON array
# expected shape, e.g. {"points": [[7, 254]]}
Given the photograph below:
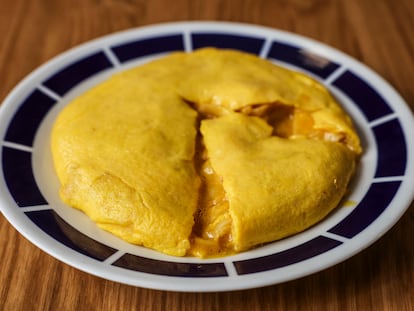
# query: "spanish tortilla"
{"points": [[205, 153]]}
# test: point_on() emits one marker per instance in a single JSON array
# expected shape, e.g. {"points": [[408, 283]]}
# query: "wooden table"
{"points": [[377, 32]]}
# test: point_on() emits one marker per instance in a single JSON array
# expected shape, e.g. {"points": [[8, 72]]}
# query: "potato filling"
{"points": [[212, 229]]}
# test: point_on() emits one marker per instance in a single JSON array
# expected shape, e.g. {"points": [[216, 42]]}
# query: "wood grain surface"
{"points": [[380, 33]]}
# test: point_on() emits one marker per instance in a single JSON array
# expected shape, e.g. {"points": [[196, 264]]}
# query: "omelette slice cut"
{"points": [[275, 187], [124, 153]]}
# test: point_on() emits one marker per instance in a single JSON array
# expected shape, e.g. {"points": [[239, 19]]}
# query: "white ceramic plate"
{"points": [[382, 189]]}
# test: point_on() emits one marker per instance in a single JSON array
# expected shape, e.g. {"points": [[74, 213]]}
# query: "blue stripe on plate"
{"points": [[365, 97], [370, 208], [302, 58], [392, 149], [73, 74], [144, 47], [287, 257], [181, 269], [18, 174], [228, 41], [51, 223], [28, 117]]}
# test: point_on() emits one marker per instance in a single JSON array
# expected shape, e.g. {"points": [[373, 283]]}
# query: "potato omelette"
{"points": [[205, 154]]}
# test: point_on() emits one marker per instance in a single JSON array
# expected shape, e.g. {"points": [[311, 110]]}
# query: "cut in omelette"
{"points": [[205, 154]]}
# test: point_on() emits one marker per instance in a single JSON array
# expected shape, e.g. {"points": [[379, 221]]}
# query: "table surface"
{"points": [[378, 33]]}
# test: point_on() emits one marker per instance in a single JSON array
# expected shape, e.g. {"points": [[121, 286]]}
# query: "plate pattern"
{"points": [[17, 145]]}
